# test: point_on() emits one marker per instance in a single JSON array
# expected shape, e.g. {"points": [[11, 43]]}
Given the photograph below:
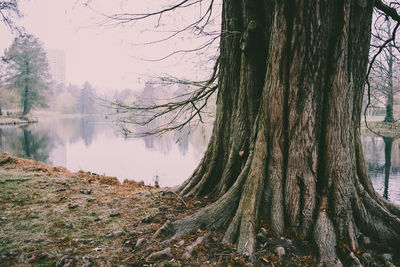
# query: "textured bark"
{"points": [[286, 139]]}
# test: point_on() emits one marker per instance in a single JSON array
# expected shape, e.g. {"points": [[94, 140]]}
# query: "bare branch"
{"points": [[387, 10]]}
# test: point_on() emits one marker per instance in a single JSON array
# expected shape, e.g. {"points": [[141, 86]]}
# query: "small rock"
{"points": [[86, 191], [72, 206], [181, 243], [139, 242], [115, 234], [68, 251], [280, 251], [366, 240], [165, 253], [97, 249], [91, 199], [115, 214], [288, 242], [387, 259], [3, 218], [97, 219]]}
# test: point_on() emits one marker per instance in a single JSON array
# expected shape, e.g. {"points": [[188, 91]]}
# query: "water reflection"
{"points": [[388, 162], [382, 158], [93, 144], [25, 143]]}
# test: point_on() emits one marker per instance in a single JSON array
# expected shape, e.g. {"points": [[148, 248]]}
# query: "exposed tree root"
{"points": [[325, 238]]}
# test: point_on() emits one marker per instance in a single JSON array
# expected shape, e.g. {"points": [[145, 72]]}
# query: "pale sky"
{"points": [[109, 57]]}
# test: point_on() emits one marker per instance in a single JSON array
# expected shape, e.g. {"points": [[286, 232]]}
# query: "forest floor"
{"points": [[52, 217]]}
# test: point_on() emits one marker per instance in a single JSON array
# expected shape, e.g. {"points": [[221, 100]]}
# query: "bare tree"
{"points": [[384, 73]]}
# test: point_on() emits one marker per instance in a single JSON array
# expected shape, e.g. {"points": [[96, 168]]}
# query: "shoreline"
{"points": [[16, 121]]}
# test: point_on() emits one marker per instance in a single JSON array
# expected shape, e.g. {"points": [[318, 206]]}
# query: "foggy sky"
{"points": [[108, 57]]}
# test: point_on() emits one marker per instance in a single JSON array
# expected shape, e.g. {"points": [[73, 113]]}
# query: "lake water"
{"points": [[97, 145]]}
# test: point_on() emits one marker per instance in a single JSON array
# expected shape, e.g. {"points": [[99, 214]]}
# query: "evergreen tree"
{"points": [[27, 71]]}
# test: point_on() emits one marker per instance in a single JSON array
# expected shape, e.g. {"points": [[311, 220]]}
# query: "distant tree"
{"points": [[27, 71], [383, 76], [86, 99], [65, 103]]}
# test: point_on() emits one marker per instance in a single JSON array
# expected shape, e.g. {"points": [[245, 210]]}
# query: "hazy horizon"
{"points": [[110, 58]]}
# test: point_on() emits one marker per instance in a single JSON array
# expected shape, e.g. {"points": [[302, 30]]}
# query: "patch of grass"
{"points": [[4, 241], [93, 214], [20, 201], [46, 264], [84, 220], [5, 196]]}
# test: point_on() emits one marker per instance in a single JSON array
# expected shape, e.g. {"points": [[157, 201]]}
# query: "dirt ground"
{"points": [[52, 217]]}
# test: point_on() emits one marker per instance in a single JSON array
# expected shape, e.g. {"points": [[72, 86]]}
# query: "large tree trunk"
{"points": [[286, 139], [26, 104]]}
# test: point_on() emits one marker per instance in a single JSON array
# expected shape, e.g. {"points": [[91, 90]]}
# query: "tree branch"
{"points": [[387, 10]]}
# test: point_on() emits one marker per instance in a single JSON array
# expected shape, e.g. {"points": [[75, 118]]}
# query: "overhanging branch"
{"points": [[388, 10]]}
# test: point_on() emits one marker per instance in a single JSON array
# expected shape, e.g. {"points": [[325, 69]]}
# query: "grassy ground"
{"points": [[52, 217]]}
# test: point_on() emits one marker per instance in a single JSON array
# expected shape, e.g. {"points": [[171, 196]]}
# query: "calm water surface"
{"points": [[382, 158], [97, 145], [92, 144]]}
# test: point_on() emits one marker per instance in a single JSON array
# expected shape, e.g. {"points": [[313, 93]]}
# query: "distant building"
{"points": [[56, 61]]}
